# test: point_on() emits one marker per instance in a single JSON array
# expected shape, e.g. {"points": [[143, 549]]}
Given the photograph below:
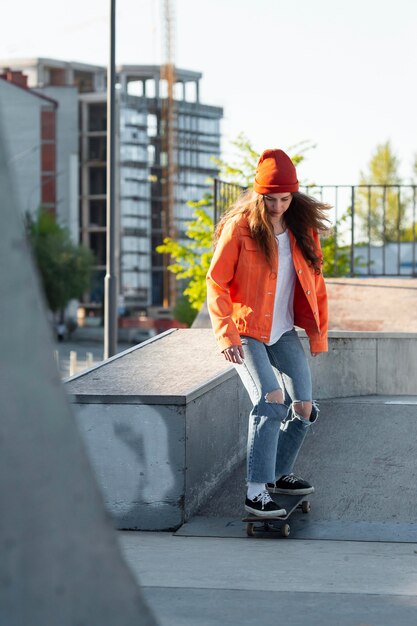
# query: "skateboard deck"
{"points": [[257, 525]]}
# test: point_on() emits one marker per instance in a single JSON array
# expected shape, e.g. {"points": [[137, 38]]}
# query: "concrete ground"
{"points": [[82, 349], [209, 581], [351, 562], [379, 304]]}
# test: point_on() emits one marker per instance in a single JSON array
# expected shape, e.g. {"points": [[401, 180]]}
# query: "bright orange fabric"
{"points": [[241, 290]]}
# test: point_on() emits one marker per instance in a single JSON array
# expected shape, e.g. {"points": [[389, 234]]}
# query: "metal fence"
{"points": [[373, 227]]}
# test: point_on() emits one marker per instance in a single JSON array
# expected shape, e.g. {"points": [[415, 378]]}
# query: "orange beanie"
{"points": [[275, 173]]}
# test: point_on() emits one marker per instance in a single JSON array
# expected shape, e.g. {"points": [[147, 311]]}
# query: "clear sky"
{"points": [[339, 74]]}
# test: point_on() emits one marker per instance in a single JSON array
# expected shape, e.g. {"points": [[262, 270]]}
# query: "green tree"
{"points": [[336, 258], [374, 203], [192, 261], [64, 267], [407, 233]]}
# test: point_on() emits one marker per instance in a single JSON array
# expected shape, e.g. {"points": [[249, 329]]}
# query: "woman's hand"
{"points": [[234, 354]]}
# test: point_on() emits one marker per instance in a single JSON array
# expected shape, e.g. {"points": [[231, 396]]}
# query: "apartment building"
{"points": [[141, 96]]}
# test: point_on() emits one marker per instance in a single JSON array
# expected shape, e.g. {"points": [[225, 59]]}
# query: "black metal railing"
{"points": [[373, 227], [225, 194]]}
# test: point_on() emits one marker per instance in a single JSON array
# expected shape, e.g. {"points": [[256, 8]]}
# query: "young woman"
{"points": [[264, 278]]}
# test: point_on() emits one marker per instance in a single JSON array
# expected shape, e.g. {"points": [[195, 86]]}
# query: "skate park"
{"points": [[350, 561], [151, 442], [182, 434], [152, 435], [123, 486]]}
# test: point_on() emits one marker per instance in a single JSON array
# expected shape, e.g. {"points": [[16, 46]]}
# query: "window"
{"points": [[135, 88], [84, 81], [97, 213], [152, 125], [97, 180], [98, 246], [97, 149], [97, 117]]}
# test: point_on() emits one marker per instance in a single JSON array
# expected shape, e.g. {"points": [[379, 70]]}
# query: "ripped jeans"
{"points": [[276, 432]]}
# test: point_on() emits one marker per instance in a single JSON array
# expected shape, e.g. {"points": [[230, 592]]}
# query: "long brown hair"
{"points": [[303, 214]]}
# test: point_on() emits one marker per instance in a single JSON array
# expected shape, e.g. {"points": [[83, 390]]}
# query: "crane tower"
{"points": [[167, 147]]}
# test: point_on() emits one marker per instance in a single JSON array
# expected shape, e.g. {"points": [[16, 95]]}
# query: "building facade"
{"points": [[32, 149], [142, 162]]}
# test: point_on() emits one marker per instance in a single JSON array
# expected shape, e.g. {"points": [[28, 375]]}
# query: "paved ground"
{"points": [[202, 581], [381, 304], [210, 573], [82, 349]]}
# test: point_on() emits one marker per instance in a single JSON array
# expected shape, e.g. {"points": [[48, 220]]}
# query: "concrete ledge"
{"points": [[165, 422], [365, 363]]}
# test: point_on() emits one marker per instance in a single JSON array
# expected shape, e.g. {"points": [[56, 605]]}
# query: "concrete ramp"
{"points": [[362, 460]]}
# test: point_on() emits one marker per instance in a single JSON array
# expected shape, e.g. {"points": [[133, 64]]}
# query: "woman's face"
{"points": [[277, 203]]}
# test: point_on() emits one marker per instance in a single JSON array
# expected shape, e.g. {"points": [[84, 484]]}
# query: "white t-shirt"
{"points": [[283, 317]]}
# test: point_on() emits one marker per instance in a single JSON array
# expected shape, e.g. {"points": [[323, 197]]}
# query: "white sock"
{"points": [[254, 489]]}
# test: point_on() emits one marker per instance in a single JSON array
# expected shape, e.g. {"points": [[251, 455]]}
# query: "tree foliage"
{"points": [[64, 267], [192, 261], [381, 209]]}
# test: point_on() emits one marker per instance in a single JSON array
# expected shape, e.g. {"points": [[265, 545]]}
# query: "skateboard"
{"points": [[258, 525]]}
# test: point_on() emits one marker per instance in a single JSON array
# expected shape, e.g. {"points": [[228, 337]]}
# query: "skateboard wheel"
{"points": [[250, 530], [305, 506], [285, 530]]}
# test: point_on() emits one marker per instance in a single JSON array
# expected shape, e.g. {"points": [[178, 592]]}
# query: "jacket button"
{"points": [[308, 292], [273, 275], [300, 271]]}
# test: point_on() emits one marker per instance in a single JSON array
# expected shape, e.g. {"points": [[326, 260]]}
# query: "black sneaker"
{"points": [[264, 506], [291, 484]]}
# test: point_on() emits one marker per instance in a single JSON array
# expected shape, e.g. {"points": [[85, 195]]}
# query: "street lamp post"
{"points": [[110, 281]]}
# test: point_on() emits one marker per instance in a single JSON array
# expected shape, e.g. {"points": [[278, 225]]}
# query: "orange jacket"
{"points": [[241, 290]]}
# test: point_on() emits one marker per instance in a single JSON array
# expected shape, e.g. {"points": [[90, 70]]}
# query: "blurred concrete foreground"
{"points": [[60, 563]]}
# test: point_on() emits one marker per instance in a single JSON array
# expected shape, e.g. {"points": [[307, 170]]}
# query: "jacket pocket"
{"points": [[250, 244]]}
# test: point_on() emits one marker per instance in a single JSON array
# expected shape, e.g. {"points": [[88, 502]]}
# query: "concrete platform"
{"points": [[152, 420], [190, 581], [379, 304]]}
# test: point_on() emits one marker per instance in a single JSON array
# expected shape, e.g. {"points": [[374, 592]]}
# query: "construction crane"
{"points": [[167, 148]]}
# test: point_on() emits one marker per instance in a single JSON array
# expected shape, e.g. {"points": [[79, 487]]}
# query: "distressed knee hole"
{"points": [[275, 397], [303, 408]]}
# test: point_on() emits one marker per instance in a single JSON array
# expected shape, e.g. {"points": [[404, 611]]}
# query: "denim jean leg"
{"points": [[265, 417], [293, 432], [288, 357], [263, 435]]}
